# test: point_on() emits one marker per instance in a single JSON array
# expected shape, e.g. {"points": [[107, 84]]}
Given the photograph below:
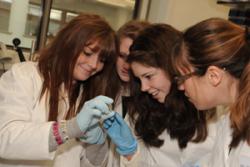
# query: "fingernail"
{"points": [[110, 106]]}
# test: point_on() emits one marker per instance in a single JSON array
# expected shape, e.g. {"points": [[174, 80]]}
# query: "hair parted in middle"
{"points": [[131, 29]]}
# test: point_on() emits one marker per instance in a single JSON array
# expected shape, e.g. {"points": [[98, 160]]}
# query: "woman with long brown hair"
{"points": [[46, 106], [169, 129], [119, 80], [216, 71]]}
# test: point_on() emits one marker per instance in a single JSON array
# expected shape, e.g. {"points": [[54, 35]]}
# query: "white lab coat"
{"points": [[170, 154], [24, 131], [221, 157]]}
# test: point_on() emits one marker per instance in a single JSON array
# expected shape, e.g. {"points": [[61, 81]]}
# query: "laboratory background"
{"points": [[27, 25]]}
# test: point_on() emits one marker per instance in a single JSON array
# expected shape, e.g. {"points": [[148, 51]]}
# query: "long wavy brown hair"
{"points": [[57, 61], [221, 43], [153, 48]]}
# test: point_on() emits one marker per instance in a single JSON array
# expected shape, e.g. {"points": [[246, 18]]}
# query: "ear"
{"points": [[214, 75]]}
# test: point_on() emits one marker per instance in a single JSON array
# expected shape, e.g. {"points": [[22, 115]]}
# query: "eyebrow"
{"points": [[96, 47], [123, 54], [147, 73]]}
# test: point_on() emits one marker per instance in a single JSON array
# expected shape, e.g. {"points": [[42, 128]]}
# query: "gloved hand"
{"points": [[93, 111], [120, 134], [94, 135]]}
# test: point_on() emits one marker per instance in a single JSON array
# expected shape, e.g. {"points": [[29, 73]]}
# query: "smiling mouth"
{"points": [[154, 94], [187, 96], [86, 70], [125, 72], [189, 99]]}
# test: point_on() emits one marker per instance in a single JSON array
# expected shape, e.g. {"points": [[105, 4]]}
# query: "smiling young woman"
{"points": [[169, 129], [46, 105]]}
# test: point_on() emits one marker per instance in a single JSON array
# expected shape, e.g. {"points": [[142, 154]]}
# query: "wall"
{"points": [[114, 13], [184, 13]]}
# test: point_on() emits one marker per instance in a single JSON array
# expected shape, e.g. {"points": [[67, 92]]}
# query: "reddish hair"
{"points": [[57, 61]]}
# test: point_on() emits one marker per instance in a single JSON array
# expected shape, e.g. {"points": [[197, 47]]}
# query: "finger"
{"points": [[92, 127], [119, 118], [100, 105], [106, 126], [109, 115], [112, 119], [105, 99], [108, 122], [96, 113]]}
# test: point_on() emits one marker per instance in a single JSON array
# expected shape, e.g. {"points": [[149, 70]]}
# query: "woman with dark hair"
{"points": [[170, 131], [46, 105], [216, 71], [119, 80]]}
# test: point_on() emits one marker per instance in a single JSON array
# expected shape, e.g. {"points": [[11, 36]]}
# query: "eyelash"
{"points": [[148, 76], [103, 59], [87, 53], [124, 57]]}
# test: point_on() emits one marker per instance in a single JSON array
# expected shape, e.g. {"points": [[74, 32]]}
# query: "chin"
{"points": [[82, 78], [161, 100], [198, 107], [124, 79]]}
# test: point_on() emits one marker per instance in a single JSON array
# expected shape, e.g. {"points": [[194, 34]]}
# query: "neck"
{"points": [[233, 90]]}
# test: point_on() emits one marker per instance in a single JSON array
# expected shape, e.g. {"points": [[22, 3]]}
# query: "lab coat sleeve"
{"points": [[21, 138], [95, 155], [133, 162]]}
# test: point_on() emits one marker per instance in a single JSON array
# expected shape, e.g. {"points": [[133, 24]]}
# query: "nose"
{"points": [[126, 65], [144, 86], [181, 87], [94, 61]]}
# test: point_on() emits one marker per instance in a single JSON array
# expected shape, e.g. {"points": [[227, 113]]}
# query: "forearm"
{"points": [[17, 136]]}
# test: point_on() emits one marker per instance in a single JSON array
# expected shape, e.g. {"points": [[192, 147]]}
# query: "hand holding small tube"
{"points": [[93, 111], [120, 134]]}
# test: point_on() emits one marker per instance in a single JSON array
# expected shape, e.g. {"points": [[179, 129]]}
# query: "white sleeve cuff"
{"points": [[133, 162]]}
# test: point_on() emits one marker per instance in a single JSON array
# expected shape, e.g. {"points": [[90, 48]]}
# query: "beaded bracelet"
{"points": [[56, 133]]}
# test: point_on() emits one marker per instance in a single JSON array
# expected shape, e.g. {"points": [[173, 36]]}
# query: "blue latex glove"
{"points": [[120, 134], [94, 111], [94, 135]]}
